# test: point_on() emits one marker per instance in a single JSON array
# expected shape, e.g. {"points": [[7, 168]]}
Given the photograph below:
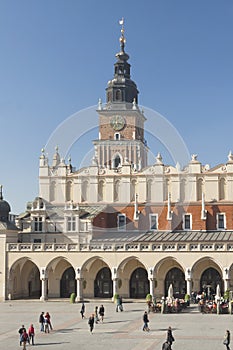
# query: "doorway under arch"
{"points": [[67, 284], [176, 277], [210, 278], [139, 284], [103, 284]]}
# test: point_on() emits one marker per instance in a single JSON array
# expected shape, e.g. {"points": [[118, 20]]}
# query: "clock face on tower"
{"points": [[117, 122]]}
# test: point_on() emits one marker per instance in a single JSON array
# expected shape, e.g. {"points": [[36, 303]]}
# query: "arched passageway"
{"points": [[139, 284], [103, 284], [176, 277], [210, 278], [67, 284]]}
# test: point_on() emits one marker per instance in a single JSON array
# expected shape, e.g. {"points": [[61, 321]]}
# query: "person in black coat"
{"points": [[170, 338], [91, 322], [227, 339], [146, 321]]}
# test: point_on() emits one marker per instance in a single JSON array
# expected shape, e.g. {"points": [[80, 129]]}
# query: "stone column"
{"points": [[44, 284], [79, 287], [152, 287], [114, 289], [151, 278], [79, 295], [188, 278], [115, 281], [226, 278]]}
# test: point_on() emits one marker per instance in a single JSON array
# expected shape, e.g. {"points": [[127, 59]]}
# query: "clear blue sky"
{"points": [[57, 56]]}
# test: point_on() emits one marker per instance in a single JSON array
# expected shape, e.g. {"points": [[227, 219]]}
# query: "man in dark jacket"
{"points": [[145, 320], [21, 331]]}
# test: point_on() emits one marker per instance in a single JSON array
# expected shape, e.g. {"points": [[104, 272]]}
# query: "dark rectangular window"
{"points": [[121, 222], [221, 221], [187, 222]]}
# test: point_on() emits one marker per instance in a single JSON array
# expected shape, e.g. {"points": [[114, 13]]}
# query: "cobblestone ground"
{"points": [[119, 331]]}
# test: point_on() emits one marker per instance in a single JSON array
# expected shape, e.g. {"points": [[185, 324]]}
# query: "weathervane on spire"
{"points": [[122, 38]]}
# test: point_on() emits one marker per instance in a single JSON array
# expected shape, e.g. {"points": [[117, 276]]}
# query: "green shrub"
{"points": [[72, 298]]}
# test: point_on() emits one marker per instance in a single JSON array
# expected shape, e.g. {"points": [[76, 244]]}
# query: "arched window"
{"points": [[117, 161], [52, 191], [84, 191], [69, 191], [118, 95], [101, 190], [222, 189], [117, 136], [116, 191]]}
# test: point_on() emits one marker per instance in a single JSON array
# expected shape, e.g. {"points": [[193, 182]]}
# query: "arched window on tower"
{"points": [[101, 190], [116, 190], [222, 189], [116, 161], [69, 191], [84, 191], [118, 95], [52, 194]]}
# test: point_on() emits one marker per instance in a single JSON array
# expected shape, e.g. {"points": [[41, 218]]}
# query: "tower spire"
{"points": [[122, 37], [1, 196]]}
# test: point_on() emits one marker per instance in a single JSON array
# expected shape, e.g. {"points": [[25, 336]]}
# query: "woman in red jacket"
{"points": [[31, 334]]}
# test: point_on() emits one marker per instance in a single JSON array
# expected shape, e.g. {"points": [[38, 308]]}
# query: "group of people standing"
{"points": [[26, 337], [45, 322]]}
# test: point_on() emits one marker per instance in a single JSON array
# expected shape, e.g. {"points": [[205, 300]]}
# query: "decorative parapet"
{"points": [[127, 247]]}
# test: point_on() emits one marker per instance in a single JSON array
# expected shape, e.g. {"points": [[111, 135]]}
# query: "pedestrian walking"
{"points": [[118, 303], [227, 339], [121, 304], [24, 338], [31, 334], [91, 322], [101, 313], [21, 330], [170, 338], [145, 321], [96, 315], [82, 311]]}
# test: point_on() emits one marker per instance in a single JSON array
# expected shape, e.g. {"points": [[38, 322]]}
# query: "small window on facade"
{"points": [[117, 136], [221, 222], [121, 221], [154, 221], [37, 240], [38, 224], [187, 222], [71, 223]]}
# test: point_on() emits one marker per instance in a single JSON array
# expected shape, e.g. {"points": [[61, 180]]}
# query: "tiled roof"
{"points": [[165, 236]]}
